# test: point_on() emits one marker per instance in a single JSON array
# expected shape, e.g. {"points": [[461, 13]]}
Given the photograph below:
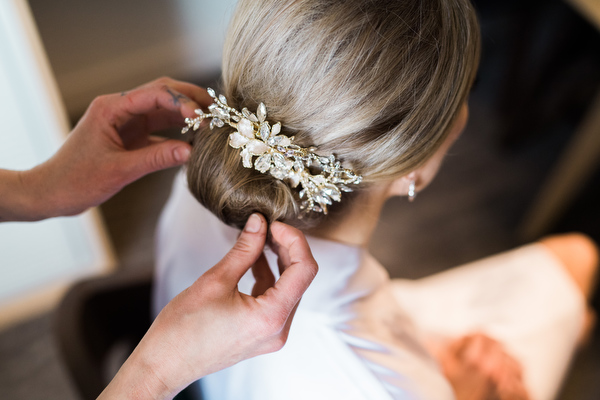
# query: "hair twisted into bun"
{"points": [[218, 180], [377, 83]]}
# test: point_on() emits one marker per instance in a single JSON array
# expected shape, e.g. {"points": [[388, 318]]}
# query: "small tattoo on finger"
{"points": [[177, 98]]}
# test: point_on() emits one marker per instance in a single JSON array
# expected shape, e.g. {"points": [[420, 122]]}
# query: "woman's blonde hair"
{"points": [[377, 83]]}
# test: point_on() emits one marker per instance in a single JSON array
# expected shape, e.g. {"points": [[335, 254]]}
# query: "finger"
{"points": [[458, 346], [164, 119], [514, 365], [299, 268], [194, 92], [155, 156], [135, 131], [473, 350], [492, 364], [149, 99], [263, 275], [511, 380], [245, 252], [508, 385], [495, 363], [153, 139], [520, 391]]}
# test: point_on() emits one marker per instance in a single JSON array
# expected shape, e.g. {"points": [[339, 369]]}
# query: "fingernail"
{"points": [[182, 154], [253, 224]]}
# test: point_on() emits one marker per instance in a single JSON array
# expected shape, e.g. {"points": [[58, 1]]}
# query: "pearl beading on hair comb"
{"points": [[278, 155]]}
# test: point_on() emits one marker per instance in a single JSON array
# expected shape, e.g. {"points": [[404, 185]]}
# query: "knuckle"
{"points": [[277, 343], [313, 268], [101, 108], [241, 249], [156, 160], [211, 284], [99, 102], [164, 81], [273, 322], [273, 343], [243, 245]]}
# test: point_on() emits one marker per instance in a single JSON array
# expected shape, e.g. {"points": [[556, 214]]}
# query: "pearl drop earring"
{"points": [[412, 193]]}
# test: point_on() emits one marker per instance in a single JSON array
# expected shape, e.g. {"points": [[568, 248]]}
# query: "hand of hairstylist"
{"points": [[110, 147], [211, 325]]}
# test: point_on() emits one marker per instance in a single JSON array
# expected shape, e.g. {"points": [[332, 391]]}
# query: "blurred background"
{"points": [[526, 166]]}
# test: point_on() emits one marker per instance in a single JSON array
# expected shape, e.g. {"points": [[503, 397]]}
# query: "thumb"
{"points": [[158, 155], [246, 250], [297, 263]]}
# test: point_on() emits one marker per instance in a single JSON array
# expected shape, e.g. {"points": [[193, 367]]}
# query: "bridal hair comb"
{"points": [[278, 155]]}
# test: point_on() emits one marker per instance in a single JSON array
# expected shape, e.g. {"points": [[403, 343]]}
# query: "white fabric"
{"points": [[522, 298], [352, 337]]}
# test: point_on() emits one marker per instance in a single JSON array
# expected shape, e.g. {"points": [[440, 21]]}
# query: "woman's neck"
{"points": [[355, 228]]}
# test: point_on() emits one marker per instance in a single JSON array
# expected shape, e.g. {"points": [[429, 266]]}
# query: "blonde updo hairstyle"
{"points": [[377, 83]]}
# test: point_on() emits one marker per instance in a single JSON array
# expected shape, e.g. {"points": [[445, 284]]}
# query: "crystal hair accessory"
{"points": [[278, 154]]}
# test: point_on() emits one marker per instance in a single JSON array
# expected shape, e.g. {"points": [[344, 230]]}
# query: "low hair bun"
{"points": [[378, 85], [217, 178]]}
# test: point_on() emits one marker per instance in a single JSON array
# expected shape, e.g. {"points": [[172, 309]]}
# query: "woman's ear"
{"points": [[401, 186]]}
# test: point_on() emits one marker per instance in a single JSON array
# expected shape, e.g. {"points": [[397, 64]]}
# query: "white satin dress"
{"points": [[357, 334]]}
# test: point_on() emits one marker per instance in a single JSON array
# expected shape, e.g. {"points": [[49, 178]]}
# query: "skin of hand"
{"points": [[479, 368], [109, 148], [211, 325]]}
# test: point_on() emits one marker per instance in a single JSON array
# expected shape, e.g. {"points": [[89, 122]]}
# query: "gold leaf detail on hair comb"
{"points": [[278, 155]]}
